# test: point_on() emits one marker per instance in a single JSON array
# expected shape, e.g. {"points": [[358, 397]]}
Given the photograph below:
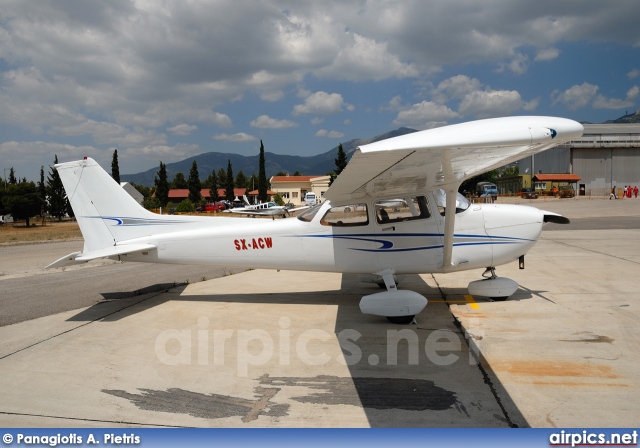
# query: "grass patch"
{"points": [[54, 231]]}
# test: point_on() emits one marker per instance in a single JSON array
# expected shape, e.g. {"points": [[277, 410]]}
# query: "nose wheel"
{"points": [[492, 286]]}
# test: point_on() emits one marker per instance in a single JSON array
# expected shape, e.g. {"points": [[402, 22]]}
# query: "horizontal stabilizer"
{"points": [[67, 260], [115, 250], [112, 251]]}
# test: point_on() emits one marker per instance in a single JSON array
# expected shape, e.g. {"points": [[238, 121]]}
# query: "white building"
{"points": [[293, 188]]}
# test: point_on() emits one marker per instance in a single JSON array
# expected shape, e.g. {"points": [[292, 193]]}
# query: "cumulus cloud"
{"points": [[329, 134], [418, 115], [182, 129], [577, 96], [266, 122], [239, 137], [633, 74], [518, 65], [602, 102], [486, 104], [364, 58], [547, 54], [456, 87], [320, 103]]}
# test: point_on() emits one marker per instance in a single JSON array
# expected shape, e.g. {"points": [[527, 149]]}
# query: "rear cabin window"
{"points": [[401, 209], [346, 216]]}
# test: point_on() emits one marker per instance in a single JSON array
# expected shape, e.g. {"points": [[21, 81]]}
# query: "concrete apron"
{"points": [[564, 348], [257, 349]]}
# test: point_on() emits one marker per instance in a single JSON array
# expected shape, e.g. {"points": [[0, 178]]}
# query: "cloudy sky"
{"points": [[162, 81]]}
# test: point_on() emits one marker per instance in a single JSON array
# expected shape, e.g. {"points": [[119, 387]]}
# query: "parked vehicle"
{"points": [[310, 198], [484, 189], [6, 219], [213, 207], [566, 191], [528, 193]]}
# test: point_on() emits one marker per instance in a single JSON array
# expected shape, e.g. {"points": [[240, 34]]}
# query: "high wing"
{"points": [[445, 157]]}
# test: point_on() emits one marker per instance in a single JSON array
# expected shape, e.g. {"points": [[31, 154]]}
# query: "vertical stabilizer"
{"points": [[106, 213]]}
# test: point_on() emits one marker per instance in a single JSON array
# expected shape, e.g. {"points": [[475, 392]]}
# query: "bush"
{"points": [[185, 206]]}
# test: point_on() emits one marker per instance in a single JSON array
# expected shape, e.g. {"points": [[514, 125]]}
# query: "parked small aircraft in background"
{"points": [[263, 209], [426, 227]]}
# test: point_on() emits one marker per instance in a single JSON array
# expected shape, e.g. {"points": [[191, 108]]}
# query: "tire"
{"points": [[400, 320]]}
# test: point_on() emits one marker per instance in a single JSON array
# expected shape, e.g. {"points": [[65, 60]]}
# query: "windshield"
{"points": [[462, 203]]}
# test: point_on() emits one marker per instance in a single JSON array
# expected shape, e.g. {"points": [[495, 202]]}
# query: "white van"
{"points": [[310, 198], [6, 219]]}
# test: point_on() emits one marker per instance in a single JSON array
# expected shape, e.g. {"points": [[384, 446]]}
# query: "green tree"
{"points": [[42, 189], [229, 187], [222, 178], [341, 163], [212, 182], [297, 173], [281, 173], [12, 177], [180, 182], [195, 196], [3, 188], [241, 180], [56, 194], [262, 178], [22, 201], [115, 169], [185, 206], [162, 185], [278, 199]]}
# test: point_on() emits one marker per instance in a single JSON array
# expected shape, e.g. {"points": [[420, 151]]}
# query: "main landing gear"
{"points": [[492, 286], [399, 307]]}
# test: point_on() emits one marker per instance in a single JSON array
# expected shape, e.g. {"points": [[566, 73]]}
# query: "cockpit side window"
{"points": [[346, 216], [401, 209]]}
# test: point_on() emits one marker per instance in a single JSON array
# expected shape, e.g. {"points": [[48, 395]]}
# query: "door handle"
{"points": [[386, 229]]}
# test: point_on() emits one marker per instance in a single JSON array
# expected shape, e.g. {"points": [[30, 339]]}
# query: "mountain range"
{"points": [[320, 164]]}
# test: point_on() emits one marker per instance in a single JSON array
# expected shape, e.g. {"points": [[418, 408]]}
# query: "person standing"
{"points": [[624, 192], [629, 191], [635, 191], [613, 193]]}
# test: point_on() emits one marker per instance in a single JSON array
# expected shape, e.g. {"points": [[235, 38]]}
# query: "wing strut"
{"points": [[451, 190]]}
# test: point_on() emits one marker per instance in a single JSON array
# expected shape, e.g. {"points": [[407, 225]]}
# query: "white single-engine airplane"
{"points": [[263, 209], [394, 210]]}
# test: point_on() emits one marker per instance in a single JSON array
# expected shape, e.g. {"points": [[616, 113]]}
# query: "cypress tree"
{"points": [[229, 187], [262, 178], [162, 186], [213, 186], [341, 163], [115, 169], [194, 184], [56, 194]]}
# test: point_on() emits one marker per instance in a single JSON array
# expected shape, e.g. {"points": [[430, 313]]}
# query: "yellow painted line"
{"points": [[472, 303]]}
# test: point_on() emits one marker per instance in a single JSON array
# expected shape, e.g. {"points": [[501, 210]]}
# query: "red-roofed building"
{"points": [[178, 195]]}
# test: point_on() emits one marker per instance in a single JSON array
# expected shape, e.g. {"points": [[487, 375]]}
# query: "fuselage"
{"points": [[350, 238]]}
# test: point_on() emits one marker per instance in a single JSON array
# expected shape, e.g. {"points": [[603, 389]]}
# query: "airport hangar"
{"points": [[606, 155]]}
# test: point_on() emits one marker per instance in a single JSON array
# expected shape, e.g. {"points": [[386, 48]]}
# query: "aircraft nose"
{"points": [[513, 230]]}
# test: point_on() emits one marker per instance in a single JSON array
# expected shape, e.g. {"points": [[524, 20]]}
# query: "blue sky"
{"points": [[162, 81]]}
